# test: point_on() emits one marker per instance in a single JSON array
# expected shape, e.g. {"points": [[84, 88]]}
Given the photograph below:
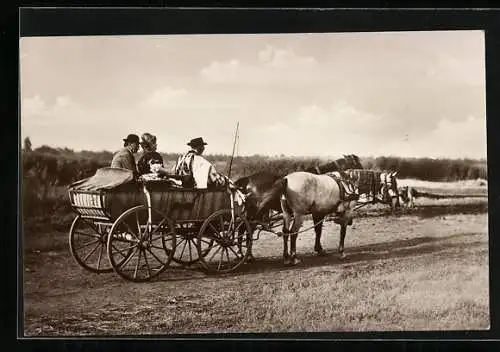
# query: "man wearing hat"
{"points": [[199, 172], [125, 158]]}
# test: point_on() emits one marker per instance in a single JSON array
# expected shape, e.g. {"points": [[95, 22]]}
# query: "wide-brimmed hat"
{"points": [[132, 138], [196, 142]]}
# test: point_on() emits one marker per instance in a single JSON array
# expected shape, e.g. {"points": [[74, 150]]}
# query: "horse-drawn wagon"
{"points": [[161, 223], [141, 227]]}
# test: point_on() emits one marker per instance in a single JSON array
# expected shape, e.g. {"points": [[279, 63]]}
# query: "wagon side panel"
{"points": [[188, 205]]}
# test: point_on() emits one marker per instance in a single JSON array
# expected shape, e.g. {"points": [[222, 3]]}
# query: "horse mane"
{"points": [[242, 182]]}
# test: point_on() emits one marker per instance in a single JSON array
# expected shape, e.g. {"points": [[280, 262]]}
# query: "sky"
{"points": [[408, 94]]}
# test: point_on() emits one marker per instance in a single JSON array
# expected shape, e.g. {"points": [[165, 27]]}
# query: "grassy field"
{"points": [[422, 269]]}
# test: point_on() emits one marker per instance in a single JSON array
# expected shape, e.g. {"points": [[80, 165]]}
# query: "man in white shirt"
{"points": [[202, 173]]}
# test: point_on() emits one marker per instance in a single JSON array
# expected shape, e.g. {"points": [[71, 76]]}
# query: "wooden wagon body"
{"points": [[131, 221]]}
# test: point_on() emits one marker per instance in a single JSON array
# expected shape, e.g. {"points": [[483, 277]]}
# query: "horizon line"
{"points": [[280, 155]]}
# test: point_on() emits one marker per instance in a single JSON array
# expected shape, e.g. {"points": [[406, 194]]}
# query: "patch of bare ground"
{"points": [[419, 270]]}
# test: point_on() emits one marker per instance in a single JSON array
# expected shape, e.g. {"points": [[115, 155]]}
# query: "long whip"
{"points": [[234, 146]]}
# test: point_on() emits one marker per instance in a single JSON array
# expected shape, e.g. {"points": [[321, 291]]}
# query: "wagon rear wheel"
{"points": [[224, 243], [186, 252], [87, 244], [151, 244]]}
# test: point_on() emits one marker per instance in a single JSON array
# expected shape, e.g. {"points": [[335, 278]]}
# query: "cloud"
{"points": [[285, 58], [466, 138], [170, 98], [33, 106], [278, 65], [455, 139], [164, 98], [341, 117]]}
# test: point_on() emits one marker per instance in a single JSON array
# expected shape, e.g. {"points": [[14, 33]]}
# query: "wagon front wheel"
{"points": [[151, 244], [224, 242], [87, 244]]}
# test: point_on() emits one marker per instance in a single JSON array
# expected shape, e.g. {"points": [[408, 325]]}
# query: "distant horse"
{"points": [[381, 185], [302, 193]]}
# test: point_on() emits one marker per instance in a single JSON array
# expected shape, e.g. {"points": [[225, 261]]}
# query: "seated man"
{"points": [[124, 158], [198, 172]]}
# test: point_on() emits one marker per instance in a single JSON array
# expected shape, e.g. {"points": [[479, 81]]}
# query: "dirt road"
{"points": [[421, 270]]}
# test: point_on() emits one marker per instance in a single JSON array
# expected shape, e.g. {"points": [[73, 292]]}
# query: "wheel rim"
{"points": [[225, 245], [87, 243], [139, 251]]}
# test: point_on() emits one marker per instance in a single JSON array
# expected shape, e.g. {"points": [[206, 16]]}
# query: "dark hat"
{"points": [[132, 138], [196, 142]]}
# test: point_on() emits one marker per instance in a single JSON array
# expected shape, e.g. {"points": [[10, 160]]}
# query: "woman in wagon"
{"points": [[124, 158], [151, 160], [199, 172]]}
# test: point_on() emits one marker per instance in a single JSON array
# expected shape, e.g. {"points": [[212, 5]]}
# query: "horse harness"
{"points": [[347, 189]]}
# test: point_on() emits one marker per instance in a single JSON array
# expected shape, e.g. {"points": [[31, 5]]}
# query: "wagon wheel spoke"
{"points": [[227, 255], [137, 265], [158, 227], [91, 252], [216, 232], [220, 260], [155, 256], [232, 250], [147, 263], [94, 235], [127, 259], [99, 258], [190, 253], [214, 253], [132, 232], [86, 244], [209, 248], [183, 248], [141, 234], [126, 249]]}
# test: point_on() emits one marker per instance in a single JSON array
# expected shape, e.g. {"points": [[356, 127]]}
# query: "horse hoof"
{"points": [[343, 256], [250, 259], [296, 261], [322, 253], [287, 261]]}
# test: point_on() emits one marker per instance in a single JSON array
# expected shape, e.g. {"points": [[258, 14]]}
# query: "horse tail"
{"points": [[275, 192]]}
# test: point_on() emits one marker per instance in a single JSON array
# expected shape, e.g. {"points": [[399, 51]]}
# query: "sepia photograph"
{"points": [[254, 183]]}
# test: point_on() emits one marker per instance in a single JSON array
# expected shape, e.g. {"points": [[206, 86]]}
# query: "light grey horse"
{"points": [[303, 193]]}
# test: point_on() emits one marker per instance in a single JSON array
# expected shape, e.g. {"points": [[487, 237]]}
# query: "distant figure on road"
{"points": [[407, 195]]}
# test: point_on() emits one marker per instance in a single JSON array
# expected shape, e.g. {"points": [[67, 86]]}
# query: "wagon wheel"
{"points": [[152, 244], [87, 244], [186, 252], [224, 244]]}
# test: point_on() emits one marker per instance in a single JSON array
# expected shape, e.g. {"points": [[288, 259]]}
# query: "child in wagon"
{"points": [[150, 164]]}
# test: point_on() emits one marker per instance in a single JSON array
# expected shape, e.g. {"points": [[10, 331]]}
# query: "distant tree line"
{"points": [[61, 166], [47, 171]]}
